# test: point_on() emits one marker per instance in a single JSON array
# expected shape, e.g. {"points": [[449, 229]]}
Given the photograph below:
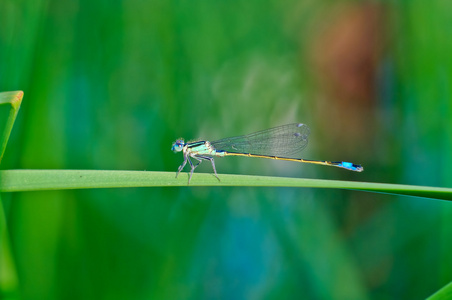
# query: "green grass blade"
{"points": [[34, 180], [14, 99], [8, 274], [444, 293]]}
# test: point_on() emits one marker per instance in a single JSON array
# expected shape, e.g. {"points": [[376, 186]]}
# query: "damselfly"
{"points": [[274, 143]]}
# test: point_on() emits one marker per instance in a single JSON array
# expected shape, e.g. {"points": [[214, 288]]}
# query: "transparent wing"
{"points": [[278, 141]]}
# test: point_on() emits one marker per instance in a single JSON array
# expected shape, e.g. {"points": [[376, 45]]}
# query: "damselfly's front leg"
{"points": [[182, 165], [199, 158], [199, 161], [192, 168], [213, 164]]}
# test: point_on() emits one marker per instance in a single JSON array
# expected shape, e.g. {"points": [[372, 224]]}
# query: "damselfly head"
{"points": [[178, 146]]}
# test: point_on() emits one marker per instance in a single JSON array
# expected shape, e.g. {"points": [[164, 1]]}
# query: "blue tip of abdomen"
{"points": [[351, 166], [347, 165]]}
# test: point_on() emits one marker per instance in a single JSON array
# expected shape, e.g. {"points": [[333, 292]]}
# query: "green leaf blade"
{"points": [[14, 99], [35, 180], [443, 293]]}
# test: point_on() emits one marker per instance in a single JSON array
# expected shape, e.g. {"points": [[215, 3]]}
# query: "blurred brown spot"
{"points": [[346, 52], [346, 48]]}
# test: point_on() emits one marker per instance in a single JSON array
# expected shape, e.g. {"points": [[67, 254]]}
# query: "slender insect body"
{"points": [[274, 143]]}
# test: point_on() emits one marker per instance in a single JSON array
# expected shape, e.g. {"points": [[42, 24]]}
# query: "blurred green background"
{"points": [[111, 84]]}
